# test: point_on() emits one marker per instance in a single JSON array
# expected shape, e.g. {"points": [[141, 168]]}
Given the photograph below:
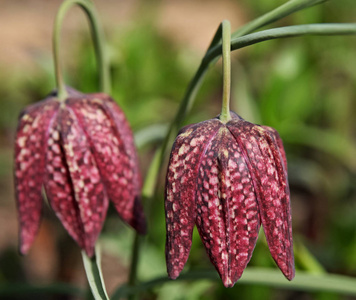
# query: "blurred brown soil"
{"points": [[26, 25]]}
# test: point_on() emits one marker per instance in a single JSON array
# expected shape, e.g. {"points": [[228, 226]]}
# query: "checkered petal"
{"points": [[181, 185], [277, 140], [227, 210], [73, 184], [271, 184], [30, 149], [115, 154]]}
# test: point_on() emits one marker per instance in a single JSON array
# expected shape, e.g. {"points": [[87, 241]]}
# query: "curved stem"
{"points": [[134, 262], [226, 58], [98, 40]]}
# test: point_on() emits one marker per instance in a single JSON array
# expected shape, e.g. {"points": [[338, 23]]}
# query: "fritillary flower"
{"points": [[227, 179], [81, 152]]}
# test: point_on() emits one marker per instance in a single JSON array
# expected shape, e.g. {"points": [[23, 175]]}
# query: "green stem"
{"points": [[98, 40], [94, 274], [226, 59], [147, 194], [303, 281], [134, 260]]}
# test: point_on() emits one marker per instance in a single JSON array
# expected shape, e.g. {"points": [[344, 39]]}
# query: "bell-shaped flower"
{"points": [[228, 179], [81, 152]]}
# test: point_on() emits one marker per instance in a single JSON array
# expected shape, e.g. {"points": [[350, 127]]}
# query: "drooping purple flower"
{"points": [[228, 179], [81, 152]]}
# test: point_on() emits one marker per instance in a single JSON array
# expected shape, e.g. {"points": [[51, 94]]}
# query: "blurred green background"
{"points": [[304, 87]]}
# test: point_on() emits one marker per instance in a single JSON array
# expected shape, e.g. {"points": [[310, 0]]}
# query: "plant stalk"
{"points": [[226, 59], [98, 41]]}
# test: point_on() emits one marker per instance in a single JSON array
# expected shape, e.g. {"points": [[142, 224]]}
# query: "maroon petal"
{"points": [[29, 167], [227, 214], [73, 184], [181, 184], [135, 218], [279, 142], [115, 154], [272, 190]]}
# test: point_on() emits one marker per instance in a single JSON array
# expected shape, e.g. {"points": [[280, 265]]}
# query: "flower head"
{"points": [[228, 179], [81, 151]]}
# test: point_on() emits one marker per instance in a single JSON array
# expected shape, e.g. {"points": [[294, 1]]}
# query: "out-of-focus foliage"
{"points": [[303, 87]]}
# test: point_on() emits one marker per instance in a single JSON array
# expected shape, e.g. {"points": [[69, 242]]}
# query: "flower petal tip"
{"points": [[139, 222], [173, 274], [24, 248], [230, 278], [90, 251], [290, 273], [228, 283]]}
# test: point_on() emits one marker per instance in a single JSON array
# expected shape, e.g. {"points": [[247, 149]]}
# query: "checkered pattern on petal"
{"points": [[127, 195], [181, 185], [113, 155], [227, 210], [272, 190], [30, 146], [74, 186], [276, 139]]}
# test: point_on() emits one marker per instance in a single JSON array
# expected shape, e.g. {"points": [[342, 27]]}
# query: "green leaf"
{"points": [[303, 281], [95, 277]]}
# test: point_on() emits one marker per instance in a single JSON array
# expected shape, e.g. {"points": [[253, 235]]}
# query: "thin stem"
{"points": [[134, 263], [98, 40], [94, 274], [226, 59]]}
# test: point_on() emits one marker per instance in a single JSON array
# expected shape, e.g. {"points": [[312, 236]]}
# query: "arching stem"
{"points": [[98, 41], [226, 60]]}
